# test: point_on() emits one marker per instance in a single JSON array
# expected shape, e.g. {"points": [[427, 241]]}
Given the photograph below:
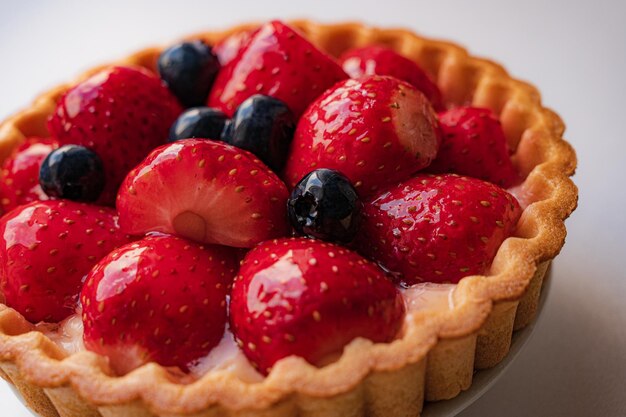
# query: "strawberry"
{"points": [[206, 191], [309, 298], [20, 173], [474, 144], [46, 248], [276, 61], [437, 228], [380, 60], [160, 299], [375, 130], [228, 48], [121, 113]]}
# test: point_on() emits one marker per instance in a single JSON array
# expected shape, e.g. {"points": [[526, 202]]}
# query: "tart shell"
{"points": [[434, 359]]}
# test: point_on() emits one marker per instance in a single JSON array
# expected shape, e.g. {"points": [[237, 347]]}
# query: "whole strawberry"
{"points": [[380, 60], [276, 61], [474, 144], [228, 48], [160, 299], [46, 248], [376, 130], [206, 191], [437, 228], [20, 173], [308, 298], [121, 113]]}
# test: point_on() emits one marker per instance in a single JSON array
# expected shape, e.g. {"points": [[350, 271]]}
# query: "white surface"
{"points": [[574, 51]]}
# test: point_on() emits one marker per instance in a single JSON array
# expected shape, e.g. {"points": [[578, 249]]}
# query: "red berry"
{"points": [[474, 144], [228, 48], [46, 248], [376, 130], [277, 61], [437, 229], [380, 60], [206, 191], [160, 299], [121, 113], [20, 173], [308, 298]]}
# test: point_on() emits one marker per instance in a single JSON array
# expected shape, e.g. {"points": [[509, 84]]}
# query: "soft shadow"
{"points": [[575, 364]]}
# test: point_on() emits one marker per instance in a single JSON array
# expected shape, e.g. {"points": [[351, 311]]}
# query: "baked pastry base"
{"points": [[435, 359]]}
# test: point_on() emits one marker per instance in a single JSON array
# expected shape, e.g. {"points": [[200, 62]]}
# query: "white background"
{"points": [[574, 51]]}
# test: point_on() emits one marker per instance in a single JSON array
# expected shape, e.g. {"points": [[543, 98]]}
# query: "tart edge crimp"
{"points": [[436, 357]]}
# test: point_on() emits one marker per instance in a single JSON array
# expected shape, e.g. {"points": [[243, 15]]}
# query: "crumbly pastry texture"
{"points": [[435, 357]]}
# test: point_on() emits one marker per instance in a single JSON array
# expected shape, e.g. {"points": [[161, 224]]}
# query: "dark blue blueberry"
{"points": [[198, 122], [326, 206], [189, 69], [72, 172], [264, 126]]}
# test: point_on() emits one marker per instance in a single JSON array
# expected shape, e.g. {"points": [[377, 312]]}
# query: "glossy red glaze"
{"points": [[474, 144], [309, 298], [20, 173], [279, 62], [46, 249], [381, 60], [121, 113], [206, 191], [159, 299], [228, 48], [376, 130], [437, 229]]}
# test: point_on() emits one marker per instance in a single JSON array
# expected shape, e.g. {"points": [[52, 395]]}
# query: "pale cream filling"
{"points": [[524, 197], [428, 296], [226, 356], [68, 334]]}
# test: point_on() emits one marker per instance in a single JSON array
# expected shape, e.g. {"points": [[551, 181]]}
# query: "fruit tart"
{"points": [[275, 220]]}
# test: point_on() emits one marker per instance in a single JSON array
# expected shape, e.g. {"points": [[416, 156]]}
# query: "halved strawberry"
{"points": [[121, 113], [308, 298], [376, 130], [380, 60], [474, 144], [46, 248], [206, 191], [276, 61], [20, 173], [159, 299], [437, 228]]}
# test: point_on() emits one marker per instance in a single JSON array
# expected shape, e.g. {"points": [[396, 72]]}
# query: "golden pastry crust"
{"points": [[436, 356]]}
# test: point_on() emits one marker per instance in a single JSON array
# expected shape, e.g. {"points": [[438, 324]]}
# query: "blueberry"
{"points": [[264, 126], [72, 172], [198, 122], [326, 206], [189, 69]]}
